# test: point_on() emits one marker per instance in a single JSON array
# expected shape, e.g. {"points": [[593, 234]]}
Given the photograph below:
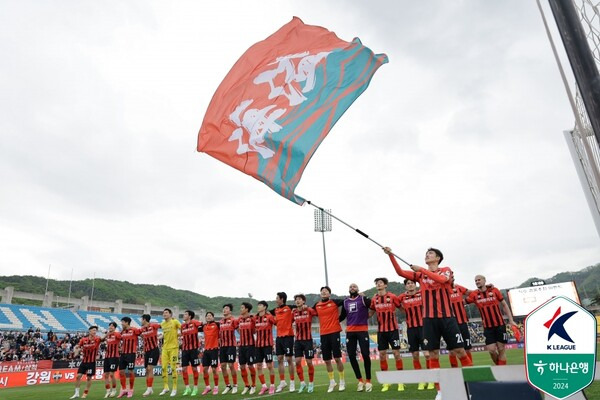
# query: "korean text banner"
{"points": [[280, 100]]}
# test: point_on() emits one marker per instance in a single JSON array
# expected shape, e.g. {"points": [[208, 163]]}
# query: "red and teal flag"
{"points": [[281, 98]]}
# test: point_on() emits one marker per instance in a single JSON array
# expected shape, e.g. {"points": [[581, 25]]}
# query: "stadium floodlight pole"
{"points": [[93, 284], [323, 224], [70, 284], [47, 278], [356, 230]]}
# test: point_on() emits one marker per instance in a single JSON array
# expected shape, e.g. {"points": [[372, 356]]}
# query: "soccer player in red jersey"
{"points": [[227, 351], [488, 301], [330, 328], [303, 345], [89, 347], [438, 317], [129, 346], [210, 358], [384, 304], [284, 343], [111, 359], [412, 303], [189, 350], [263, 323], [149, 334], [247, 350], [458, 305]]}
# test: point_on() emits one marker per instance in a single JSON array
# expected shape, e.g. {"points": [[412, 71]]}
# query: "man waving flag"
{"points": [[281, 98]]}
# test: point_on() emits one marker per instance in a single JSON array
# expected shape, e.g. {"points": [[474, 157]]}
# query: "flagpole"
{"points": [[356, 230]]}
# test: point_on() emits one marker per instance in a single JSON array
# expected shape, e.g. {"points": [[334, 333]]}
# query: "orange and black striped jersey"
{"points": [[329, 315], [435, 288], [129, 337], [303, 320], [189, 335], [488, 303], [89, 346], [385, 306], [227, 327], [413, 307], [211, 335], [149, 335], [246, 330], [264, 330], [458, 303], [112, 344]]}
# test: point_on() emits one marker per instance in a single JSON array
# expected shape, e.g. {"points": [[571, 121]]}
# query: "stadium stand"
{"points": [[20, 318], [33, 345]]}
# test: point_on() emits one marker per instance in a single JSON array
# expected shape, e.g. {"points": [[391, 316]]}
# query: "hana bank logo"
{"points": [[556, 326]]}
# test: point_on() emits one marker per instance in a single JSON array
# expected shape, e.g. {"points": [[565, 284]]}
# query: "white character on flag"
{"points": [[257, 123], [305, 73]]}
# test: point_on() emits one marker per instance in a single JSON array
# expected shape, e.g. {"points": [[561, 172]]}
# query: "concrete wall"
{"points": [[8, 294]]}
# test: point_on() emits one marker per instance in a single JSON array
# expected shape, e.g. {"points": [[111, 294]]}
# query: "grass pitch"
{"points": [[64, 391]]}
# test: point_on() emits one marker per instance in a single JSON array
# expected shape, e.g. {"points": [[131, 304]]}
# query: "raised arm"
{"points": [[439, 278], [403, 273]]}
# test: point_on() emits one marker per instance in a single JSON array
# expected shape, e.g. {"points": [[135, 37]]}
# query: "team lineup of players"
{"points": [[434, 310]]}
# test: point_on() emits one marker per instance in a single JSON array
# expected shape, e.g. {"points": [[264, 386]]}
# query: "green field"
{"points": [[64, 391]]}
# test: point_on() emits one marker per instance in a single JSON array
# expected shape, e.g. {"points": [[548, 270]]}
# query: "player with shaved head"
{"points": [[488, 300], [356, 307]]}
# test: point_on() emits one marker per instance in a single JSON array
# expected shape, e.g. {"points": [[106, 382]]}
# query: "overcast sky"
{"points": [[456, 144]]}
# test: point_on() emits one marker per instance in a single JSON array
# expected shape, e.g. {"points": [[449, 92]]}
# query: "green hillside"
{"points": [[586, 279], [135, 293], [110, 290]]}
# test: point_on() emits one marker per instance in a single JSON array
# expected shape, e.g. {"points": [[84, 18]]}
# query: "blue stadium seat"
{"points": [[19, 318]]}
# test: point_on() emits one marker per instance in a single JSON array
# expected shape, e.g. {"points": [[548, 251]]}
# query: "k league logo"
{"points": [[560, 347], [556, 326]]}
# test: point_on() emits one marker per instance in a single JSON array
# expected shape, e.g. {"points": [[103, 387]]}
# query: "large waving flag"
{"points": [[280, 100]]}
